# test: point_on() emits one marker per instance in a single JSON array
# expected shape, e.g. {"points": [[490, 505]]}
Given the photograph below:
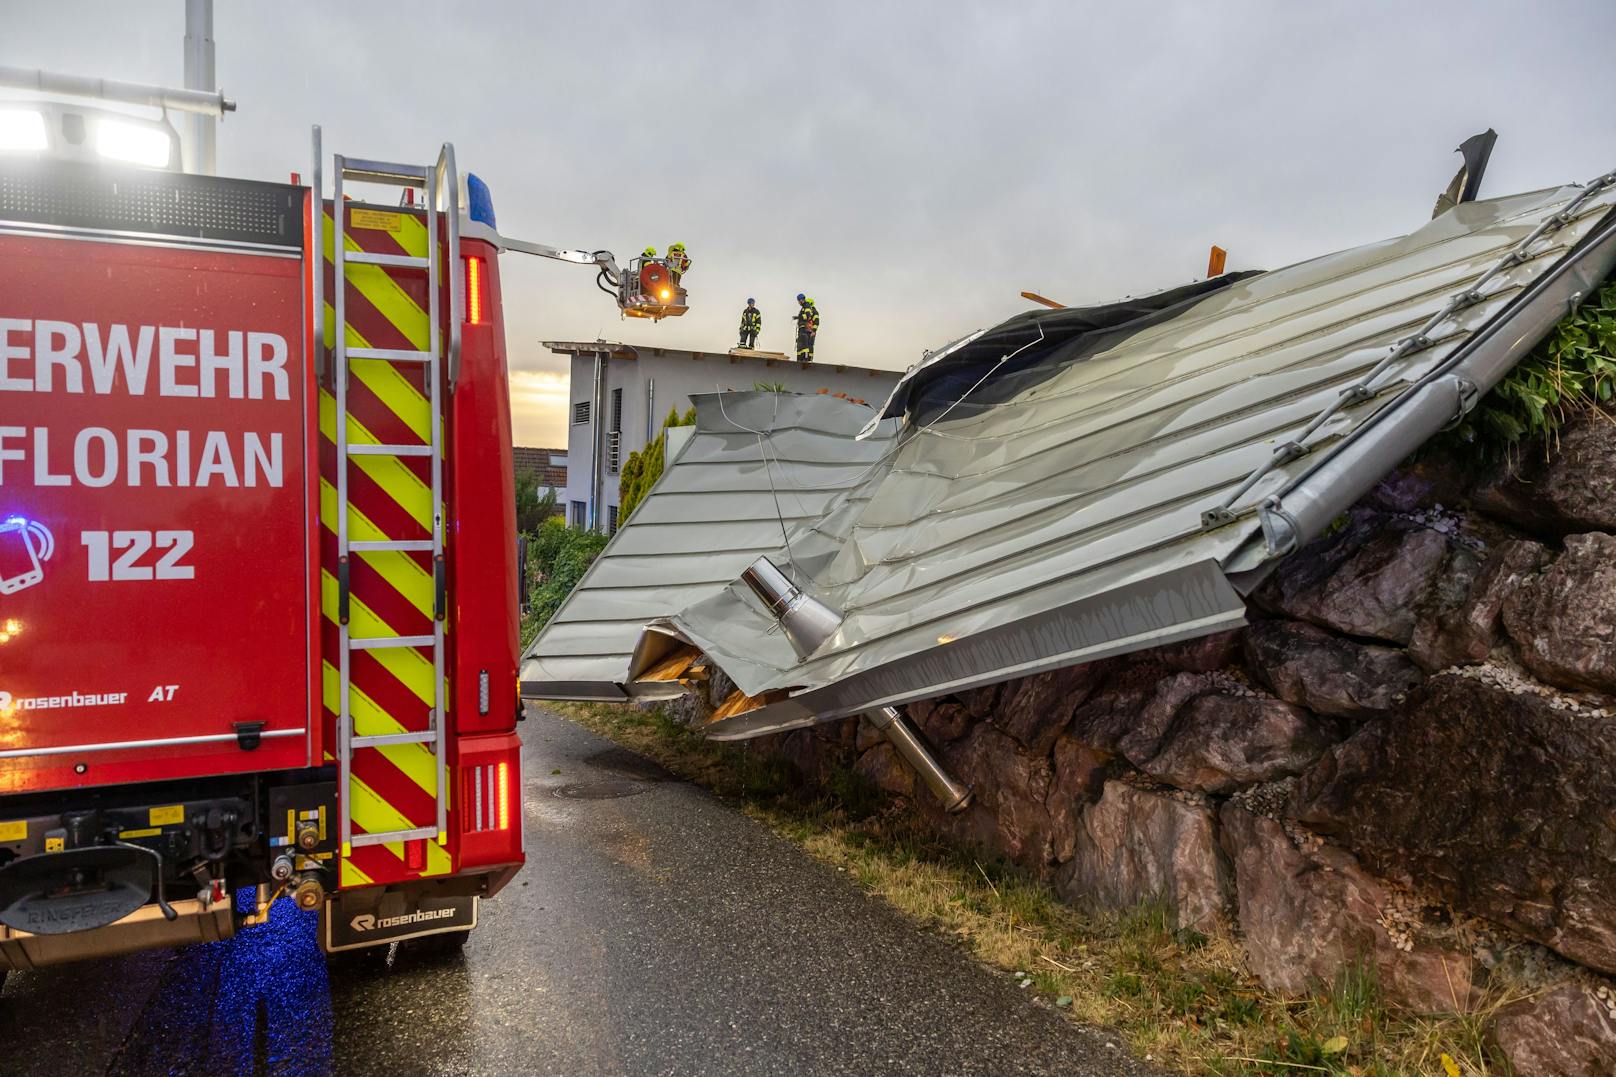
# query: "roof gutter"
{"points": [[1302, 511]]}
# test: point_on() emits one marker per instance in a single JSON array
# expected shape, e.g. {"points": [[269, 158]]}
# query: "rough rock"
{"points": [[1568, 490], [979, 702], [1135, 708], [1008, 815], [719, 686], [941, 720], [1307, 917], [1035, 710], [1449, 591], [690, 709], [868, 736], [881, 767], [1134, 846], [1466, 631], [1218, 743], [1440, 474], [1203, 654], [1367, 580], [1568, 1032], [1080, 773], [818, 750], [1503, 802], [1564, 620], [1325, 673]]}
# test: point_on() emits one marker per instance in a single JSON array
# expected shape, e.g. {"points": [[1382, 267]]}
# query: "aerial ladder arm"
{"points": [[647, 290]]}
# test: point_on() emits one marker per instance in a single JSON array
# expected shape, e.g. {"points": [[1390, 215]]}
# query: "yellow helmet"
{"points": [[649, 252], [677, 247]]}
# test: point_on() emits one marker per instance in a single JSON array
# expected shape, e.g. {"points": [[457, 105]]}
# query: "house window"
{"points": [[611, 520], [580, 514], [614, 450], [617, 409], [580, 412]]}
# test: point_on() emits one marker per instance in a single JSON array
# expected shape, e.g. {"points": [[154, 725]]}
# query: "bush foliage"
{"points": [[1571, 370], [644, 468], [557, 557]]}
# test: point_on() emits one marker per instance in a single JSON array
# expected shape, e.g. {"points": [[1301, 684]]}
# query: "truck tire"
{"points": [[444, 947]]}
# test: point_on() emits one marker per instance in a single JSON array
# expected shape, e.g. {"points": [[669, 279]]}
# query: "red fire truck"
{"points": [[258, 590]]}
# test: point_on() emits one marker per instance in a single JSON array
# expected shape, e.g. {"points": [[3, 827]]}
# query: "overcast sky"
{"points": [[913, 166]]}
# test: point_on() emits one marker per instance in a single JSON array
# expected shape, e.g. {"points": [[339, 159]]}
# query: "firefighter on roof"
{"points": [[807, 328], [751, 324], [678, 261]]}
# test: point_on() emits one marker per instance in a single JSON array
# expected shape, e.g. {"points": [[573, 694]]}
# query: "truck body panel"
{"points": [[155, 419]]}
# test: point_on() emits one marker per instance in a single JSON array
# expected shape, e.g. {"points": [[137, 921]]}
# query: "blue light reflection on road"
{"points": [[258, 1003]]}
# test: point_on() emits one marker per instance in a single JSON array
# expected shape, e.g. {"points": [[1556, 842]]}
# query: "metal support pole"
{"points": [[597, 449], [954, 796], [200, 145], [129, 93]]}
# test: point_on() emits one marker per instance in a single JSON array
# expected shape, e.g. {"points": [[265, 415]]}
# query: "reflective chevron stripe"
{"points": [[391, 592]]}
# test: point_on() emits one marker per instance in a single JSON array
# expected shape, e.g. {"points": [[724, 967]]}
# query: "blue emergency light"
{"points": [[479, 202]]}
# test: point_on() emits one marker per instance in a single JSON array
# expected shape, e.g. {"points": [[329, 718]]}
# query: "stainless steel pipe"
{"points": [[132, 93], [806, 621], [954, 796]]}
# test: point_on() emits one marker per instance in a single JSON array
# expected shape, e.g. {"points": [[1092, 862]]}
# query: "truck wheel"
{"points": [[444, 947], [366, 960]]}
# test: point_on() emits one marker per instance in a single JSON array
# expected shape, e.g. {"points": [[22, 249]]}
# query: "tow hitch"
{"points": [[80, 889]]}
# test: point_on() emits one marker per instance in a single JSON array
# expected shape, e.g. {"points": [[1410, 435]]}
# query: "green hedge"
{"points": [[644, 468]]}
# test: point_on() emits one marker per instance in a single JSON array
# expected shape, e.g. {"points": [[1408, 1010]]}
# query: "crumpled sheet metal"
{"points": [[730, 495], [1057, 517]]}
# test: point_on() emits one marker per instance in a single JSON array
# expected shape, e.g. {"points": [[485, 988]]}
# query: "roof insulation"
{"points": [[1072, 483]]}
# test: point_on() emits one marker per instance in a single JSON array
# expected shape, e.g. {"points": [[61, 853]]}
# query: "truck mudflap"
{"points": [[146, 928], [354, 919]]}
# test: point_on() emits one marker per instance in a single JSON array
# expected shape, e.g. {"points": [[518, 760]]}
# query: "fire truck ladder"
{"points": [[440, 186]]}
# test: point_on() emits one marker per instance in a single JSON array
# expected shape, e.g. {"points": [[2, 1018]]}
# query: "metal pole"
{"points": [[954, 796], [201, 143], [597, 453], [129, 93]]}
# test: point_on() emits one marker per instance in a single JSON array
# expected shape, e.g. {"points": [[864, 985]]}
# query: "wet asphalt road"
{"points": [[660, 932]]}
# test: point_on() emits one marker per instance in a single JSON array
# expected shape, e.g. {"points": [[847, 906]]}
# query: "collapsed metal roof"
{"points": [[1069, 485], [759, 465]]}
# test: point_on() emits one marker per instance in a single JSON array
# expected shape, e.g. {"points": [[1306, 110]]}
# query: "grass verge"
{"points": [[1179, 998]]}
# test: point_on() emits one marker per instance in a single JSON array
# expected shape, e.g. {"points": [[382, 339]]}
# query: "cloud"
{"points": [[914, 165], [539, 408]]}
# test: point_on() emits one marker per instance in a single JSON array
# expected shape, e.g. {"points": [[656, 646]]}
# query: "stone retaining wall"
{"points": [[1407, 759]]}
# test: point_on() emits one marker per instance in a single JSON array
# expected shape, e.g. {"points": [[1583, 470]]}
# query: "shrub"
{"points": [[558, 557], [1573, 369], [644, 467]]}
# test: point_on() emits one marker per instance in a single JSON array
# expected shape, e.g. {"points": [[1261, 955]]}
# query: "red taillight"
{"points": [[502, 796], [489, 802], [474, 291]]}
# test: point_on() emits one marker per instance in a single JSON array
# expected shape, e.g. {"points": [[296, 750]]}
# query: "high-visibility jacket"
{"points": [[679, 262], [807, 319], [751, 320]]}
